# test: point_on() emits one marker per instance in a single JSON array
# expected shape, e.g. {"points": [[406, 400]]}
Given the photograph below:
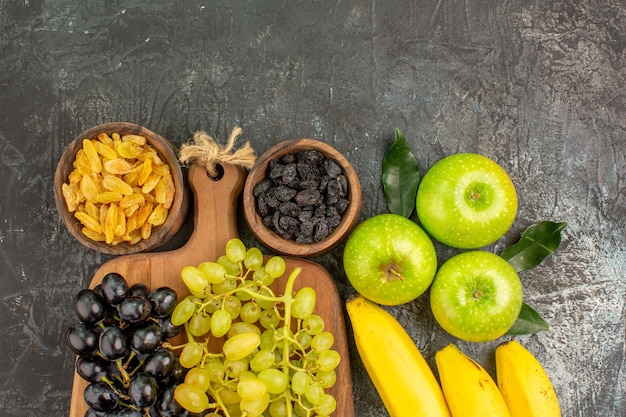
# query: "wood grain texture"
{"points": [[215, 222]]}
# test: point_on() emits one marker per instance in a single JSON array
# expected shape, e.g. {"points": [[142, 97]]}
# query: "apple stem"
{"points": [[477, 294], [395, 273]]}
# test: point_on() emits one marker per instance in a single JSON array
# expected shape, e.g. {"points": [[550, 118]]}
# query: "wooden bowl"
{"points": [[160, 234], [267, 235]]}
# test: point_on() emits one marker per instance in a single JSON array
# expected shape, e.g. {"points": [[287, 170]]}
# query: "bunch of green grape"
{"points": [[276, 359]]}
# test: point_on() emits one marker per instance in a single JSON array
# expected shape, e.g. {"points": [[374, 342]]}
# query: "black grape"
{"points": [[134, 309], [112, 343], [163, 300], [82, 339], [101, 397], [114, 288], [145, 337], [90, 307], [143, 390]]}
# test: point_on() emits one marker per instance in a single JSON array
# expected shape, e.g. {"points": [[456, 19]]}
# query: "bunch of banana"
{"points": [[398, 370], [524, 383], [468, 388]]}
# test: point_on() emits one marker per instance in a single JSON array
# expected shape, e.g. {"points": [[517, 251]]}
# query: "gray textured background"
{"points": [[538, 86]]}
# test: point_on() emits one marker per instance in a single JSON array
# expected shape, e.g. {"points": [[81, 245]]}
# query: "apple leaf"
{"points": [[528, 322], [400, 177], [538, 241]]}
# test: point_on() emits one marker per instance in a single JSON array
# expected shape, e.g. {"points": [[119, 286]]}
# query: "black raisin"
{"points": [[261, 187], [289, 225], [270, 198], [288, 158], [303, 185], [332, 192], [290, 173], [332, 168], [343, 185], [284, 193], [322, 230], [262, 206], [308, 197], [290, 208], [342, 205], [306, 228], [312, 156]]}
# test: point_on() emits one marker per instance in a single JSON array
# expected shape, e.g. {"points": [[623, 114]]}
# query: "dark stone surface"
{"points": [[538, 86]]}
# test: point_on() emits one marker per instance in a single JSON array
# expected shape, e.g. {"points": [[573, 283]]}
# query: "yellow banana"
{"points": [[398, 370], [524, 384], [469, 390]]}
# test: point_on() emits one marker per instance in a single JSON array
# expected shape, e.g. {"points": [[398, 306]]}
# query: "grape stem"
{"points": [[288, 300]]}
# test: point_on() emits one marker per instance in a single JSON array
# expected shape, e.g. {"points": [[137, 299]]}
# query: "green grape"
{"points": [[228, 396], [241, 345], [216, 370], [284, 338], [304, 339], [326, 379], [265, 304], [183, 312], [214, 272], [213, 305], [200, 324], [232, 304], [246, 375], [304, 303], [235, 250], [243, 295], [315, 394], [243, 327], [194, 279], [313, 324], [191, 398], [199, 377], [300, 382], [267, 339], [256, 407], [328, 360], [262, 277], [234, 368], [191, 355], [232, 268], [303, 408], [263, 359], [250, 388], [253, 259], [233, 410], [275, 266], [275, 380], [278, 407], [322, 341], [327, 406], [250, 312], [269, 319], [228, 285], [220, 323]]}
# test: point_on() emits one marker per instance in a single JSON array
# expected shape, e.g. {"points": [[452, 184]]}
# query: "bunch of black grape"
{"points": [[118, 340]]}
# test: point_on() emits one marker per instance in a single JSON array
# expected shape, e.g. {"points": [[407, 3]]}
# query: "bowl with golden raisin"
{"points": [[119, 189]]}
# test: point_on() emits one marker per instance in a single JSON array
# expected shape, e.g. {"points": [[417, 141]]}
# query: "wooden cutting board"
{"points": [[215, 222]]}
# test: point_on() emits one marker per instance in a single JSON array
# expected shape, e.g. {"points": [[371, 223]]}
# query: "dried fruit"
{"points": [[119, 188], [303, 196]]}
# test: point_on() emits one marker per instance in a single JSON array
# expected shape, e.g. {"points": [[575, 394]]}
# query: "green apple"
{"points": [[466, 201], [476, 296], [390, 259]]}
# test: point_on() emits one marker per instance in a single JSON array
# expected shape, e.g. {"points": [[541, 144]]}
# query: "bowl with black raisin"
{"points": [[301, 198]]}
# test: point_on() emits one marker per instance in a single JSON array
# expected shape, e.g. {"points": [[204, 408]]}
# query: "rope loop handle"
{"points": [[205, 151]]}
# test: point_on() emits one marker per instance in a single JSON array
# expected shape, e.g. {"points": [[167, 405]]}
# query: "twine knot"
{"points": [[205, 151]]}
